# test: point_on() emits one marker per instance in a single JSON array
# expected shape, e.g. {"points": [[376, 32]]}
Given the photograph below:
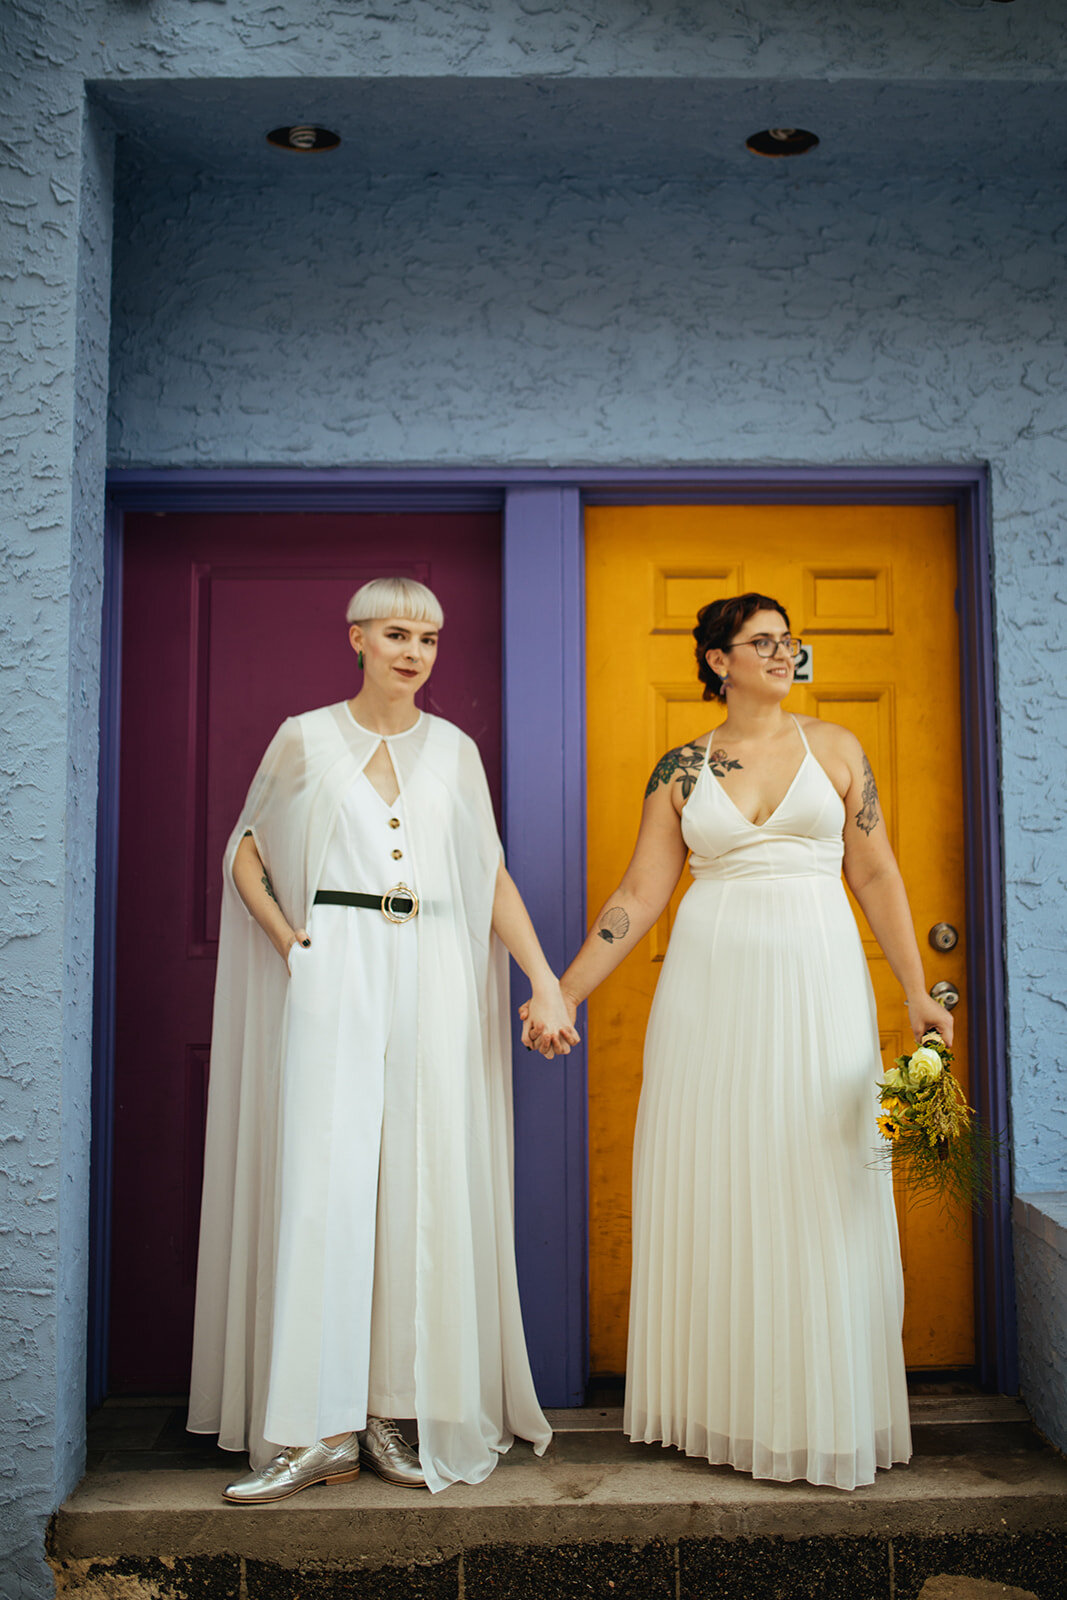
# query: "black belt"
{"points": [[396, 905]]}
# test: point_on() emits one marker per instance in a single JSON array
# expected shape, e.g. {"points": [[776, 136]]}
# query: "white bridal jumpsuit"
{"points": [[357, 1240], [347, 1233]]}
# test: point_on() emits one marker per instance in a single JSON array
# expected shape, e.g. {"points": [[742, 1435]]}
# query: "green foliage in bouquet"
{"points": [[932, 1137]]}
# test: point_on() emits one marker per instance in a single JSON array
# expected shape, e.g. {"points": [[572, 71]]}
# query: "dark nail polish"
{"points": [[306, 943]]}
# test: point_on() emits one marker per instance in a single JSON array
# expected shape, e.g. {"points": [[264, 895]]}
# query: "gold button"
{"points": [[397, 854], [394, 822]]}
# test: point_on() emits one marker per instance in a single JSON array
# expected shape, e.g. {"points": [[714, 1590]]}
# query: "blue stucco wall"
{"points": [[55, 262], [662, 323], [743, 313]]}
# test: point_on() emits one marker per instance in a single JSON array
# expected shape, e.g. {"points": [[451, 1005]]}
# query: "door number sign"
{"points": [[803, 666]]}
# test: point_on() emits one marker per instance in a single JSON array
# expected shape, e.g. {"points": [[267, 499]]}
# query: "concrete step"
{"points": [[984, 1496]]}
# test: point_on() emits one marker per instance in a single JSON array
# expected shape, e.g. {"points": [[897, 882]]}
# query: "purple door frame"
{"points": [[544, 819]]}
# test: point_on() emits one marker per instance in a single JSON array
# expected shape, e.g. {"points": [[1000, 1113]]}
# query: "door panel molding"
{"points": [[545, 809]]}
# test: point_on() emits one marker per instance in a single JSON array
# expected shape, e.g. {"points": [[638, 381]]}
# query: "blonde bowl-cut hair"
{"points": [[395, 597]]}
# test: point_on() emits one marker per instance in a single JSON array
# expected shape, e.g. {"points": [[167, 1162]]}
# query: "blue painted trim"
{"points": [[148, 489], [544, 814], [995, 1318], [107, 842]]}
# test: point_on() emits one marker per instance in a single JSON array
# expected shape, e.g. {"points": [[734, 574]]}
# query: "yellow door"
{"points": [[871, 591]]}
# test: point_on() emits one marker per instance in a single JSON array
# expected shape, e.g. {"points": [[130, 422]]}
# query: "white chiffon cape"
{"points": [[473, 1386]]}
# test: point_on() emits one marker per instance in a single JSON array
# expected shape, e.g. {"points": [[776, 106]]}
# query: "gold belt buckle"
{"points": [[389, 911]]}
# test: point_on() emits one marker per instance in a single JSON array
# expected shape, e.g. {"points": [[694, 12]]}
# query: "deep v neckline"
{"points": [[759, 826]]}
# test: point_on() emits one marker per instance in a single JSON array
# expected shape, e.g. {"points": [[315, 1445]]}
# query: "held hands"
{"points": [[548, 1022], [925, 1013]]}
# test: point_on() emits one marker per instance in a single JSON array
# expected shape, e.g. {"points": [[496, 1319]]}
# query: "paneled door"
{"points": [[230, 624], [871, 590]]}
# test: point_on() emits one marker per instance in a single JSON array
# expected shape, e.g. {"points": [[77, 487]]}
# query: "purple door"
{"points": [[230, 624]]}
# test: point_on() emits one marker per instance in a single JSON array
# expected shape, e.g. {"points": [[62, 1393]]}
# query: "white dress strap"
{"points": [[800, 730]]}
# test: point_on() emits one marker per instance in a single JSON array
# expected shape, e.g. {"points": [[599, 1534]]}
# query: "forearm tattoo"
{"points": [[685, 763], [614, 924], [867, 815], [265, 881]]}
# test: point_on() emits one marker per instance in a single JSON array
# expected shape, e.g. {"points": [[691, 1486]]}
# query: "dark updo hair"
{"points": [[716, 625]]}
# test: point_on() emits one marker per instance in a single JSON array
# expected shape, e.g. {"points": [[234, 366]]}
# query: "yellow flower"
{"points": [[893, 1105], [888, 1128]]}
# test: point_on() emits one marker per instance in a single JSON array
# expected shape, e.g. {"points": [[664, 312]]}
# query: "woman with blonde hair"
{"points": [[356, 1250]]}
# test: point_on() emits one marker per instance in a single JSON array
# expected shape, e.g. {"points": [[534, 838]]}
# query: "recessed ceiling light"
{"points": [[305, 138], [782, 142]]}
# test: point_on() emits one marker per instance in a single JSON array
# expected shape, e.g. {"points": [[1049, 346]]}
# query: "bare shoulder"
{"points": [[680, 767], [831, 740], [837, 750]]}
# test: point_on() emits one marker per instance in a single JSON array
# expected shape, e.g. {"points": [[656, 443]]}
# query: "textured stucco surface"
{"points": [[850, 314], [1041, 1279], [54, 291], [939, 39], [654, 323]]}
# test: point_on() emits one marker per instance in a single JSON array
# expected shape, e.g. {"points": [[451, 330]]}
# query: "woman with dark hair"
{"points": [[767, 1297]]}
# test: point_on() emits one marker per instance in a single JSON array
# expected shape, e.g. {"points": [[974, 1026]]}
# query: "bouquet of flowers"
{"points": [[930, 1130]]}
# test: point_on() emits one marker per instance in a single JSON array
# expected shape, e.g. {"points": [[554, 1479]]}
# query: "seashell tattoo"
{"points": [[614, 924]]}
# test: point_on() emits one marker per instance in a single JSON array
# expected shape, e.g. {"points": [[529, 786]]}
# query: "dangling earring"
{"points": [[359, 658]]}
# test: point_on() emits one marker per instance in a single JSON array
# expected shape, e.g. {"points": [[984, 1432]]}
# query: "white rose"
{"points": [[924, 1065]]}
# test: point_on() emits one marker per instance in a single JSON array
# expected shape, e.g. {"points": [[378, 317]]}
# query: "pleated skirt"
{"points": [[767, 1294]]}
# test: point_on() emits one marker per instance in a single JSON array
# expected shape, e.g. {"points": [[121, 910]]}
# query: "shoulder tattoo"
{"points": [[683, 763], [867, 815]]}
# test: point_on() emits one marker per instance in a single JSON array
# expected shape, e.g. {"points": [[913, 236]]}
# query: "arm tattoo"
{"points": [[720, 763], [867, 815], [686, 761], [614, 924], [265, 881]]}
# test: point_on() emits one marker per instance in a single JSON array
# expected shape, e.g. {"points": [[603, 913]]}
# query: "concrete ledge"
{"points": [[1045, 1216], [553, 1502], [1040, 1238], [983, 1496]]}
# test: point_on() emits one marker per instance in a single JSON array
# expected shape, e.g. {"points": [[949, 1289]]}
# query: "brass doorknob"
{"points": [[943, 936], [947, 994]]}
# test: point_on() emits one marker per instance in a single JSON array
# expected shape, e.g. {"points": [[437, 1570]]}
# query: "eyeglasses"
{"points": [[765, 647]]}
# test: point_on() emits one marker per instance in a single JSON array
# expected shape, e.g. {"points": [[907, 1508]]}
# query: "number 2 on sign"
{"points": [[803, 668]]}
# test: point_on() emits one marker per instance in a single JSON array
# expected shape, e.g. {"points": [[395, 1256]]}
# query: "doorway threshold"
{"points": [[984, 1494]]}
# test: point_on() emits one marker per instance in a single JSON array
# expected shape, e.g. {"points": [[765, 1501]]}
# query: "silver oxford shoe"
{"points": [[294, 1468], [386, 1452]]}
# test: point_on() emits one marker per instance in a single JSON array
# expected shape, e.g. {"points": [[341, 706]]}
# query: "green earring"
{"points": [[359, 658]]}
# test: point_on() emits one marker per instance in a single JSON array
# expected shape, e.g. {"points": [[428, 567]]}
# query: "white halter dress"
{"points": [[767, 1296]]}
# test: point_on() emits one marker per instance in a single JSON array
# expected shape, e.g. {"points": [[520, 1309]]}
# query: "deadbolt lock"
{"points": [[943, 936], [947, 994]]}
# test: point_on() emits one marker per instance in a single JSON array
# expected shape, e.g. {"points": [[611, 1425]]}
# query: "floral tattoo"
{"points": [[614, 924], [265, 881], [867, 815], [720, 763]]}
